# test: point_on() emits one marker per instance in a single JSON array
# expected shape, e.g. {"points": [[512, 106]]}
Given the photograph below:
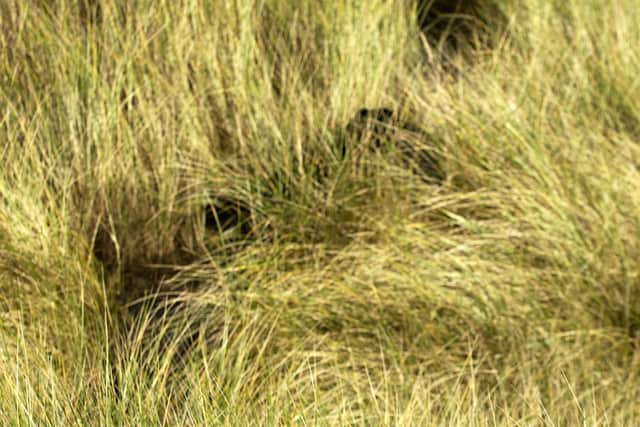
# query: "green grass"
{"points": [[507, 295]]}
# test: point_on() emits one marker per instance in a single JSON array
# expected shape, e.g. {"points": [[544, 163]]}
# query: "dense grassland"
{"points": [[189, 236]]}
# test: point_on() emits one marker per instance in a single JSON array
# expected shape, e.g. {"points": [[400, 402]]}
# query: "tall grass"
{"points": [[354, 292]]}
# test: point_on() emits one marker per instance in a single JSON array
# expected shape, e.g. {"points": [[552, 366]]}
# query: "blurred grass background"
{"points": [[508, 294]]}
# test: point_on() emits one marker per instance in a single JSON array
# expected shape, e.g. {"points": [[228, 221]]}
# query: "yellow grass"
{"points": [[353, 292]]}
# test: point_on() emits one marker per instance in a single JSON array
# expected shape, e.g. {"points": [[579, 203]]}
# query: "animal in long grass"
{"points": [[381, 130]]}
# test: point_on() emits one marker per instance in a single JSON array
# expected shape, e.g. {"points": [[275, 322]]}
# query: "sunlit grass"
{"points": [[351, 290]]}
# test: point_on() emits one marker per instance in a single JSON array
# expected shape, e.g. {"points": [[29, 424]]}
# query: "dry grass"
{"points": [[183, 241]]}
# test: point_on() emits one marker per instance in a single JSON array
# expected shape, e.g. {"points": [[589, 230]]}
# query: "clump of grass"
{"points": [[189, 233]]}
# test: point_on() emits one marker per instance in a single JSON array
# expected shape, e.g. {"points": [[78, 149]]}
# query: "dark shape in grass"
{"points": [[374, 123], [454, 25], [382, 130], [226, 214]]}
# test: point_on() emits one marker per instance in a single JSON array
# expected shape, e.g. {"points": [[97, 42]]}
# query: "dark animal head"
{"points": [[376, 124]]}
